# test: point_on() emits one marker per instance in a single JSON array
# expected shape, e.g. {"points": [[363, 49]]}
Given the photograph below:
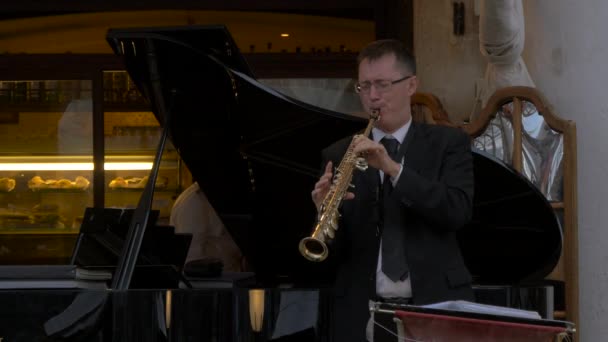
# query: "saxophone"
{"points": [[314, 247]]}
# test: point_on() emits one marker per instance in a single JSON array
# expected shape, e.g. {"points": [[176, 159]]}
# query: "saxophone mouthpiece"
{"points": [[375, 114]]}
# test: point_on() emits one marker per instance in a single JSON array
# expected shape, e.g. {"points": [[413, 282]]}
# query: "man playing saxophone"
{"points": [[396, 240]]}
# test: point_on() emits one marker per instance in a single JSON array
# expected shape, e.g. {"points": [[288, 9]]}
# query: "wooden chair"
{"points": [[524, 112], [427, 108]]}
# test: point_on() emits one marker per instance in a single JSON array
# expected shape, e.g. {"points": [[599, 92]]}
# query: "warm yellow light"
{"points": [[284, 35], [73, 163], [72, 166], [256, 309], [46, 166], [168, 307], [127, 166]]}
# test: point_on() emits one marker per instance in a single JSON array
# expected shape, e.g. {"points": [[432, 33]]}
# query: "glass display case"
{"points": [[131, 136], [47, 167]]}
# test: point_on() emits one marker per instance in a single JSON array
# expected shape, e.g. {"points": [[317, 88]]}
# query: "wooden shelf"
{"points": [[37, 231], [62, 107], [122, 190]]}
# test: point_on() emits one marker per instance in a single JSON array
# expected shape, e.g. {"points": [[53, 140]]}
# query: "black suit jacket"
{"points": [[431, 200]]}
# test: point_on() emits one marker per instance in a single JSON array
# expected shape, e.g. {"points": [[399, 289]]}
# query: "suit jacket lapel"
{"points": [[411, 154], [372, 179]]}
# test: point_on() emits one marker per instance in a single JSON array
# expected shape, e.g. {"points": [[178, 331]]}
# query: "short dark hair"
{"points": [[383, 47]]}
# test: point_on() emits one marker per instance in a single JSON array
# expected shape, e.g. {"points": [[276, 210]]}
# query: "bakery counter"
{"points": [[54, 208], [43, 198], [36, 247]]}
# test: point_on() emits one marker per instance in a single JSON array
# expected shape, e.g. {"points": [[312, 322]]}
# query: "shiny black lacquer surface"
{"points": [[514, 236], [163, 315], [24, 312]]}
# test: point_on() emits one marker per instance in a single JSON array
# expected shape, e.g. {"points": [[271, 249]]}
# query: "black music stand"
{"points": [[102, 239]]}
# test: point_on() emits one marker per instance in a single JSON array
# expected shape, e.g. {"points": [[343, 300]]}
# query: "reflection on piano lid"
{"points": [[256, 154], [103, 233], [514, 236]]}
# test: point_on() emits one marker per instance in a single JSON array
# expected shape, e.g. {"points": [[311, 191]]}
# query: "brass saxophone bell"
{"points": [[313, 249]]}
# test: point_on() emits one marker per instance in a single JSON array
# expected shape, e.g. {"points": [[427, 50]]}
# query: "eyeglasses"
{"points": [[381, 86]]}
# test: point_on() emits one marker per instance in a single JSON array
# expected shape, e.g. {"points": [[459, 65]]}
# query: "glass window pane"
{"points": [[46, 167], [337, 94], [131, 136]]}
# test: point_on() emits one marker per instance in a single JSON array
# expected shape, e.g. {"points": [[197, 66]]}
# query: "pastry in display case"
{"points": [[79, 183], [137, 182], [48, 214], [7, 184], [124, 187], [39, 217], [43, 201], [12, 216]]}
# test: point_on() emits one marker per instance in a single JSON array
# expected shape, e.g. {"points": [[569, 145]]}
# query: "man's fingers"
{"points": [[364, 145], [315, 194], [328, 168], [322, 183], [320, 189], [326, 177]]}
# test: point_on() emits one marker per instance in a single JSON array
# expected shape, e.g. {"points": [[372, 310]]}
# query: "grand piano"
{"points": [[256, 154]]}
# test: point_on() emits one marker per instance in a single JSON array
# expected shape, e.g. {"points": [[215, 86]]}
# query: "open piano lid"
{"points": [[254, 152], [514, 236], [256, 155]]}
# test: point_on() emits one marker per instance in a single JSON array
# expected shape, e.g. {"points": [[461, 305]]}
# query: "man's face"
{"points": [[378, 90]]}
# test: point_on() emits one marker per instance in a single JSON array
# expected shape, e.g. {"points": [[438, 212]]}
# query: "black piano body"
{"points": [[256, 155], [513, 241]]}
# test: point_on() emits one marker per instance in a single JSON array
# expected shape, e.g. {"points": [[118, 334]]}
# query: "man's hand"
{"points": [[323, 185], [376, 155]]}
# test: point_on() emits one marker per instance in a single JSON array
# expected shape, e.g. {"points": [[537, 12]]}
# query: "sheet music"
{"points": [[464, 306]]}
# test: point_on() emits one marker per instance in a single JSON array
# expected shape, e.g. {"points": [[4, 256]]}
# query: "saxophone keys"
{"points": [[315, 247], [333, 224], [361, 164]]}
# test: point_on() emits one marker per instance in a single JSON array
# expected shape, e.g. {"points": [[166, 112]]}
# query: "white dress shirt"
{"points": [[192, 213], [385, 287]]}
